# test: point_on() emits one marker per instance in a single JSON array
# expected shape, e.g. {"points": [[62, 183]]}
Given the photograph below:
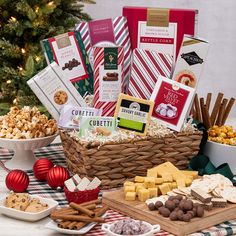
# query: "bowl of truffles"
{"points": [[129, 226], [24, 130]]}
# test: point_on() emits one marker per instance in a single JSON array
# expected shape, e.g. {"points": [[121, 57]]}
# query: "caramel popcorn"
{"points": [[224, 134], [26, 123]]}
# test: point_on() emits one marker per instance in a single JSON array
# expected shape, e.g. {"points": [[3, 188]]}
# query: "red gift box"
{"points": [[81, 196], [185, 19]]}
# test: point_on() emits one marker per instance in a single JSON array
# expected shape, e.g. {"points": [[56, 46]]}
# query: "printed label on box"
{"points": [[172, 102], [70, 115], [89, 124], [68, 56], [159, 39], [54, 91], [133, 113]]}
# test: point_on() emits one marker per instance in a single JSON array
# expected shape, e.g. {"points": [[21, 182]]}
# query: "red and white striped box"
{"points": [[108, 78], [146, 67], [107, 32]]}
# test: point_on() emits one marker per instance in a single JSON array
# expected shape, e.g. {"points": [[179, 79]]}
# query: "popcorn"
{"points": [[26, 123]]}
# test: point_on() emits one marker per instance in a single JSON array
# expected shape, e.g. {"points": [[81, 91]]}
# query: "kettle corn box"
{"points": [[191, 61], [159, 29]]}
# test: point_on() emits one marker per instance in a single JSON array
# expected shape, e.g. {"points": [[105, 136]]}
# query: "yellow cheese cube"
{"points": [[188, 181], [174, 185], [158, 190], [164, 188], [143, 195], [129, 189], [130, 196], [169, 184], [159, 180], [152, 192], [152, 173], [191, 173], [149, 182], [139, 179], [128, 183], [181, 182], [167, 177], [138, 184]]}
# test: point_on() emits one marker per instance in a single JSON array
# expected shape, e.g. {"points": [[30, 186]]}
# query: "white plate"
{"points": [[53, 225], [28, 216]]}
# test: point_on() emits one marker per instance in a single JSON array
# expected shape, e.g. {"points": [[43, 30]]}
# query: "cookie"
{"points": [[18, 201], [60, 97]]}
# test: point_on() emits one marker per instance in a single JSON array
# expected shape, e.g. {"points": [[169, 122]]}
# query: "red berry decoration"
{"points": [[41, 168], [56, 176], [17, 180]]}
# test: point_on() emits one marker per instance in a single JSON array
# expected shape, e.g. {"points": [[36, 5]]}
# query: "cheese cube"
{"points": [[138, 188], [128, 183], [174, 185], [167, 177], [129, 189], [181, 183], [192, 173], [143, 195], [188, 181], [130, 196], [158, 190], [152, 192], [159, 180], [149, 182], [169, 184], [152, 173], [139, 179], [138, 184], [164, 188]]}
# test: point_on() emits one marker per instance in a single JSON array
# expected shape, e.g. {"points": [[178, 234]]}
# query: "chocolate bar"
{"points": [[200, 195], [219, 202]]}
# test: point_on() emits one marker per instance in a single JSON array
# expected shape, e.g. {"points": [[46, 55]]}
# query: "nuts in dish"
{"points": [[26, 123]]}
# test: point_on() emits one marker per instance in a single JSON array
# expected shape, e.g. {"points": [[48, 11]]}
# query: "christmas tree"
{"points": [[23, 24]]}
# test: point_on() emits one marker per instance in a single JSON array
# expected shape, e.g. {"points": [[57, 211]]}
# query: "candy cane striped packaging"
{"points": [[108, 78], [107, 32], [146, 67]]}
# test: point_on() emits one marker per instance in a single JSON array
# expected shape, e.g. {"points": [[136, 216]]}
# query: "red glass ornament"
{"points": [[17, 180], [56, 176], [41, 168]]}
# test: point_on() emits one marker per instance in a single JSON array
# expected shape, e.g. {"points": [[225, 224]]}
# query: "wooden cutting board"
{"points": [[138, 210]]}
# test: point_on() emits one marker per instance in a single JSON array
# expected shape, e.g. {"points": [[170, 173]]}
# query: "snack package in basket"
{"points": [[107, 32], [108, 78], [69, 52]]}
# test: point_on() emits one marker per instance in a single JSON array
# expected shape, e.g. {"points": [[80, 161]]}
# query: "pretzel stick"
{"points": [[202, 111], [197, 108], [82, 209], [227, 110], [78, 218], [208, 101], [216, 107], [221, 112], [207, 117]]}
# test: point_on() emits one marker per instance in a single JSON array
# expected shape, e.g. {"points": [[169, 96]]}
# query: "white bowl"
{"points": [[221, 153], [24, 158], [153, 229], [28, 216]]}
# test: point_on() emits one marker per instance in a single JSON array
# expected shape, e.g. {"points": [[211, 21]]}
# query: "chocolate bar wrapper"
{"points": [[107, 32], [159, 29], [69, 52], [145, 69], [108, 78], [191, 60]]}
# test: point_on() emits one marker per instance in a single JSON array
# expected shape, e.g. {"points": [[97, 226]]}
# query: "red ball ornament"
{"points": [[56, 176], [41, 168], [17, 180]]}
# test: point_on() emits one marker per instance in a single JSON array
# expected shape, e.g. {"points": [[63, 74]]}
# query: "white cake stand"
{"points": [[24, 157]]}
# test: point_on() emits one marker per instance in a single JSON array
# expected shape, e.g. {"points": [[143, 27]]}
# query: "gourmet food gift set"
{"points": [[121, 91]]}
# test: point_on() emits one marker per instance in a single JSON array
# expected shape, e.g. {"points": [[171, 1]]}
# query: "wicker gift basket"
{"points": [[125, 155]]}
